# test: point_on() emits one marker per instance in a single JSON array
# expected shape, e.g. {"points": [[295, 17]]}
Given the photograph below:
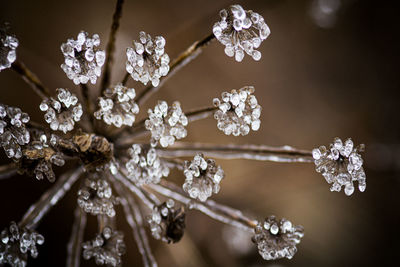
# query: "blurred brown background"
{"points": [[329, 68]]}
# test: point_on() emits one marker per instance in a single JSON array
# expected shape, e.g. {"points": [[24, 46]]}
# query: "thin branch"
{"points": [[111, 44], [86, 98], [50, 198], [75, 243], [184, 58], [125, 79], [232, 151], [201, 113], [7, 170], [31, 79]]}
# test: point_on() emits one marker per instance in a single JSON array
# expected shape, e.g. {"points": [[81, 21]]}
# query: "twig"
{"points": [[75, 243], [7, 170], [125, 79], [31, 79]]}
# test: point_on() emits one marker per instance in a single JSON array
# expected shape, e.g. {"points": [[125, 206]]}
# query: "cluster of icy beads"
{"points": [[341, 165], [83, 58], [13, 133], [147, 60], [16, 243], [202, 177], [118, 107], [63, 112], [144, 166], [166, 222], [166, 123], [241, 31], [277, 239], [106, 248], [8, 46], [96, 197], [238, 111]]}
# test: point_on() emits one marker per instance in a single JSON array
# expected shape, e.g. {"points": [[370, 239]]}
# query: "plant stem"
{"points": [[75, 243]]}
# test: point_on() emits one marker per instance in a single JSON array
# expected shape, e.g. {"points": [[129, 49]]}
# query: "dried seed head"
{"points": [[8, 46]]}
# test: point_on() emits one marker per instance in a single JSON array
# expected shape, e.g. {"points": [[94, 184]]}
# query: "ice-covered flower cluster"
{"points": [[341, 165], [13, 133], [63, 112], [241, 31], [238, 111], [202, 177], [167, 223], [277, 239], [17, 243], [8, 46], [147, 60], [166, 123], [144, 166], [83, 58], [106, 248], [96, 197], [118, 107]]}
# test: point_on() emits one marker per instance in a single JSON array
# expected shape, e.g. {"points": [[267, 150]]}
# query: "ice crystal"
{"points": [[63, 112], [118, 107], [13, 133], [166, 123], [96, 197], [17, 243], [167, 222], [83, 58], [238, 111], [147, 60], [144, 166], [341, 165], [241, 31], [8, 46], [277, 239], [106, 248], [202, 177]]}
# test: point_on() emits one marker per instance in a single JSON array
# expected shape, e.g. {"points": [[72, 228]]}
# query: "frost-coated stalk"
{"points": [[201, 113], [50, 198], [128, 203], [188, 55], [232, 151], [31, 79], [74, 247], [7, 170]]}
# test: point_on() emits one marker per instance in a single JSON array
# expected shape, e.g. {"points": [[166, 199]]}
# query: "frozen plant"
{"points": [[119, 160], [8, 46]]}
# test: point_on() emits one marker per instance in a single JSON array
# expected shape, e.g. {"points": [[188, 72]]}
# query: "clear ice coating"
{"points": [[83, 58], [96, 197], [341, 165], [238, 112], [13, 133], [241, 31], [166, 123], [8, 46], [144, 166], [147, 60], [17, 243], [167, 223], [106, 248], [202, 177], [62, 113], [277, 239], [118, 107]]}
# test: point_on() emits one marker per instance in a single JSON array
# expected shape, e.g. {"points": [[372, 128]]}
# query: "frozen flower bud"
{"points": [[277, 239], [202, 177], [118, 107], [13, 133], [96, 197], [238, 112], [341, 165], [147, 60], [8, 46], [106, 248], [144, 166], [241, 32], [167, 223], [16, 244], [166, 123], [62, 113], [83, 58]]}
